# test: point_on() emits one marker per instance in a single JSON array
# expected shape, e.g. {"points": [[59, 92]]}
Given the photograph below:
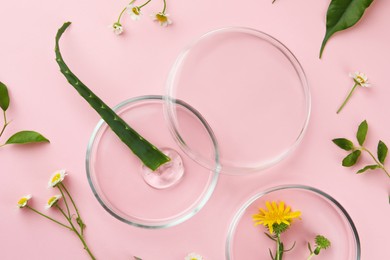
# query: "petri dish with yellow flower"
{"points": [[298, 215]]}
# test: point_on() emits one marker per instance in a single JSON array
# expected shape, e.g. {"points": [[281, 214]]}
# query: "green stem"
{"points": [[74, 206], [279, 249], [376, 161], [147, 2], [77, 233], [348, 97], [5, 124], [43, 215], [310, 256], [165, 7], [63, 196]]}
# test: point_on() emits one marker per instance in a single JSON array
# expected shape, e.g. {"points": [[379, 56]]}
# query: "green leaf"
{"points": [[146, 152], [351, 158], [362, 132], [341, 15], [369, 167], [343, 143], [4, 97], [382, 152], [26, 137]]}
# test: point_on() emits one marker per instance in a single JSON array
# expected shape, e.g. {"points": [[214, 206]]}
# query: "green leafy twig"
{"points": [[355, 151], [341, 15], [321, 242], [146, 152], [22, 137]]}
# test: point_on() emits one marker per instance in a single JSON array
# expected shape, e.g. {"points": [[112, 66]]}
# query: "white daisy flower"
{"points": [[193, 256], [57, 178], [23, 201], [134, 11], [162, 19], [360, 78], [52, 201], [117, 28]]}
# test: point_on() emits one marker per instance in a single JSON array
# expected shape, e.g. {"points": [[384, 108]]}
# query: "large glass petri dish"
{"points": [[252, 91], [320, 215], [119, 180]]}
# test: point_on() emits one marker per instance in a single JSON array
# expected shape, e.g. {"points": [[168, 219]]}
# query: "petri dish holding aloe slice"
{"points": [[133, 193], [251, 90]]}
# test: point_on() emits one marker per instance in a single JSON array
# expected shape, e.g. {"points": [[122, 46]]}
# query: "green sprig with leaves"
{"points": [[356, 151], [321, 242], [22, 137]]}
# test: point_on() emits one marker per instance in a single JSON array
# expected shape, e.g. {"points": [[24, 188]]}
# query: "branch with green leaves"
{"points": [[356, 151], [22, 137]]}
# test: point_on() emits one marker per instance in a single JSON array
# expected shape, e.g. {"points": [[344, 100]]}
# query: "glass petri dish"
{"points": [[119, 180], [251, 90], [320, 215]]}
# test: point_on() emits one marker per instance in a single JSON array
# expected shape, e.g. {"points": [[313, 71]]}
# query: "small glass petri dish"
{"points": [[320, 215], [131, 192], [251, 90]]}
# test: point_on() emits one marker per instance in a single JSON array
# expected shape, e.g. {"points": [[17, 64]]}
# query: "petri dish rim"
{"points": [[177, 220], [170, 100], [241, 211]]}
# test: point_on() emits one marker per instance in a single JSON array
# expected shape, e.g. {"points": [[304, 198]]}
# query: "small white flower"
{"points": [[162, 19], [117, 28], [57, 178], [52, 201], [23, 201], [193, 256], [360, 78], [134, 11]]}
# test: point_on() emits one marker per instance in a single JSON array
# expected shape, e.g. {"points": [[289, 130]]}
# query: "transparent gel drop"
{"points": [[168, 174]]}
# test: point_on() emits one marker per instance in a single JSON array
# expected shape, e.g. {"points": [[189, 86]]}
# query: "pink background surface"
{"points": [[137, 63]]}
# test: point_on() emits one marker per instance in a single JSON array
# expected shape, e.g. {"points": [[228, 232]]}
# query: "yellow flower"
{"points": [[57, 178], [275, 214], [53, 201], [23, 201]]}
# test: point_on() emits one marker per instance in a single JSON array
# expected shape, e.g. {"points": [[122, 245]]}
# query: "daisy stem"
{"points": [[147, 2], [43, 215], [74, 205], [63, 196], [376, 161], [77, 233], [165, 6], [348, 97]]}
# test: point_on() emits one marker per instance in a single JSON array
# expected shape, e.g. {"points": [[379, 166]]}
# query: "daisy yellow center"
{"points": [[51, 200], [56, 178], [135, 10], [162, 19], [22, 201], [360, 79]]}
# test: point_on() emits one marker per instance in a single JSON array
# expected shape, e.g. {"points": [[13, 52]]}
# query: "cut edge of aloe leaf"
{"points": [[149, 154]]}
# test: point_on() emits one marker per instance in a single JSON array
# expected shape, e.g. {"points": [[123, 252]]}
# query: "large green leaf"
{"points": [[146, 152], [341, 15], [343, 143], [351, 158], [26, 137], [382, 152], [362, 132], [4, 97]]}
